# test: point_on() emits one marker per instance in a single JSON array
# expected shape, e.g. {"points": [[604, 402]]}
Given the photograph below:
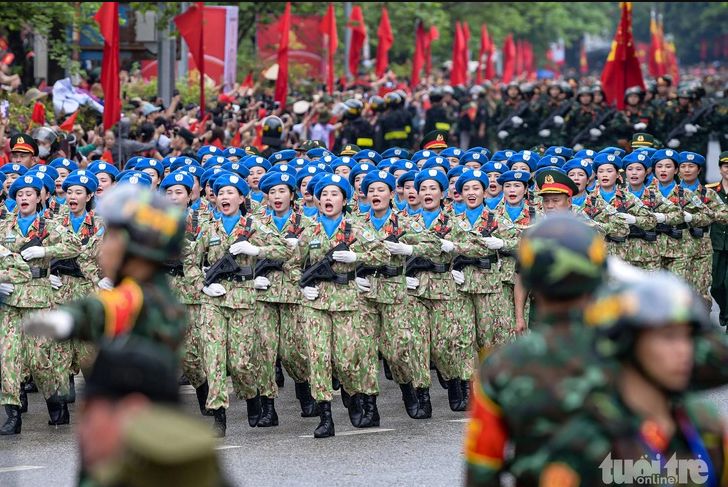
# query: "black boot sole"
{"points": [[15, 431]]}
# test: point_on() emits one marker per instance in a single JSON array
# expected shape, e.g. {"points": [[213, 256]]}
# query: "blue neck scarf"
{"points": [[256, 196], [330, 225], [281, 221], [666, 190], [364, 208], [514, 211], [493, 202], [379, 222], [693, 187], [216, 214], [412, 212], [76, 221], [649, 179], [459, 208], [310, 211], [638, 193], [401, 205], [10, 204], [578, 200], [607, 195], [474, 214], [229, 222], [430, 216], [196, 204], [591, 186], [25, 222], [61, 201], [210, 206]]}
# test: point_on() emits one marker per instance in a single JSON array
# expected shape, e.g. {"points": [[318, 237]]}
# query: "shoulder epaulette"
{"points": [[713, 185]]}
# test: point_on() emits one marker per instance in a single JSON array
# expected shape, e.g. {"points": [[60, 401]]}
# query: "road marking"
{"points": [[227, 447], [458, 420], [187, 390], [18, 469], [356, 432]]}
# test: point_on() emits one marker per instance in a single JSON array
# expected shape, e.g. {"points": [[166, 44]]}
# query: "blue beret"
{"points": [[333, 180], [98, 167], [18, 169], [48, 182], [193, 170], [582, 164], [478, 157], [327, 159], [665, 154], [402, 165], [342, 161], [26, 181], [282, 156], [526, 157], [257, 161], [451, 152], [585, 154], [236, 167], [276, 178], [135, 177], [229, 179], [214, 177], [308, 171], [208, 174], [2, 178], [494, 167], [550, 161], [692, 157], [408, 176], [367, 154], [132, 162], [298, 162], [216, 161], [423, 154], [318, 152], [180, 162], [208, 149], [474, 175], [87, 181], [311, 188], [605, 158], [385, 164], [378, 177], [479, 150], [434, 162], [233, 152], [558, 150], [175, 178], [518, 176], [456, 172], [64, 163], [50, 171], [502, 155], [614, 151], [149, 163], [648, 150], [433, 174], [285, 168], [636, 157], [322, 166], [361, 168], [134, 172], [396, 152]]}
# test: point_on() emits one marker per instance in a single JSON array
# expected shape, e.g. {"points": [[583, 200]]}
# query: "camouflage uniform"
{"points": [[228, 334], [333, 319], [42, 357], [605, 212]]}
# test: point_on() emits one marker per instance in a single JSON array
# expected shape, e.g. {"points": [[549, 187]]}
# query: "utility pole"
{"points": [[166, 54], [347, 41], [182, 73]]}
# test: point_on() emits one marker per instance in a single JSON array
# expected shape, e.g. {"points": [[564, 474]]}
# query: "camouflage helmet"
{"points": [[555, 85], [567, 89], [634, 90], [272, 130], [392, 100], [376, 103], [685, 93], [528, 89], [562, 257], [619, 311], [510, 85], [585, 90], [354, 108], [598, 88], [652, 87], [155, 228]]}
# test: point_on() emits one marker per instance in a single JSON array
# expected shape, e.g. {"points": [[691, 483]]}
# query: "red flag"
{"points": [[386, 40], [519, 57], [236, 139], [489, 67], [218, 144], [107, 157], [656, 62], [418, 60], [190, 25], [703, 49], [583, 61], [284, 27], [456, 75], [328, 27], [358, 37], [673, 67], [509, 59], [68, 124], [482, 52], [465, 53], [434, 35], [38, 116], [248, 83], [108, 19], [529, 60], [622, 69], [258, 141], [716, 47]]}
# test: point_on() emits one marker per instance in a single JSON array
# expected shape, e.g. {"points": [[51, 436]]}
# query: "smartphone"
{"points": [[5, 108]]}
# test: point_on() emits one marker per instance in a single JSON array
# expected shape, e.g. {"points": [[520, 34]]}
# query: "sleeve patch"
{"points": [[122, 306], [367, 235], [696, 199], [61, 229], [417, 227], [265, 229], [465, 226], [4, 251]]}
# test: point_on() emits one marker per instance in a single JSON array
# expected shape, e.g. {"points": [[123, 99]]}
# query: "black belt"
{"points": [[343, 278], [440, 268], [244, 274], [175, 272], [389, 271], [38, 273]]}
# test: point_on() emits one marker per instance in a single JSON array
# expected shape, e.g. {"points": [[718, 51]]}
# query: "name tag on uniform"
{"points": [[314, 244], [10, 238], [214, 241]]}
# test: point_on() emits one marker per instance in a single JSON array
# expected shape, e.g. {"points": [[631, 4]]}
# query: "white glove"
{"points": [[688, 217], [517, 121], [623, 272], [629, 219], [458, 277], [310, 292], [660, 217], [106, 284], [56, 281], [558, 120], [293, 242], [214, 290], [54, 324], [261, 283], [578, 147], [544, 132], [602, 128], [412, 283], [640, 126], [6, 289], [244, 248], [690, 128], [30, 253], [364, 285], [673, 143], [595, 133], [447, 246], [345, 256], [502, 134], [397, 248], [494, 243]]}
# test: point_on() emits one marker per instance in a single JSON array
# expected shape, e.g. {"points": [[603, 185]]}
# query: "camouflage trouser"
{"points": [[422, 323], [678, 265], [452, 331], [487, 310], [341, 337], [65, 355], [84, 354], [700, 275], [228, 340], [269, 317], [191, 362], [295, 342], [11, 355], [649, 266], [396, 337], [505, 330]]}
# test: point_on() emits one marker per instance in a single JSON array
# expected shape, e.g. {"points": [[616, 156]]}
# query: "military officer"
{"points": [[718, 232]]}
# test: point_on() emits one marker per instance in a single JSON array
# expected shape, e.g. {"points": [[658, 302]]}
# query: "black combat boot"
{"points": [[30, 385], [71, 389], [280, 379], [23, 399], [268, 417], [356, 410], [387, 370], [345, 398], [455, 395], [202, 393], [308, 404], [423, 396], [371, 413], [254, 410], [183, 381], [58, 410], [335, 384], [410, 401], [13, 423], [465, 387], [326, 426], [441, 379], [219, 427]]}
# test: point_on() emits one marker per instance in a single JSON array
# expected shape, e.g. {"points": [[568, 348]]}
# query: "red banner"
{"points": [[305, 45]]}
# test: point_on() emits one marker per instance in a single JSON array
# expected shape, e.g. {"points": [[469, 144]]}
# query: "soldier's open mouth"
{"points": [[428, 199], [277, 205], [24, 205], [328, 207], [72, 205], [225, 206], [376, 201]]}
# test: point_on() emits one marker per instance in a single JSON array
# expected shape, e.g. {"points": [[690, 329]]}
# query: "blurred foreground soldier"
{"points": [[143, 230], [519, 395], [652, 332], [272, 136], [357, 130]]}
